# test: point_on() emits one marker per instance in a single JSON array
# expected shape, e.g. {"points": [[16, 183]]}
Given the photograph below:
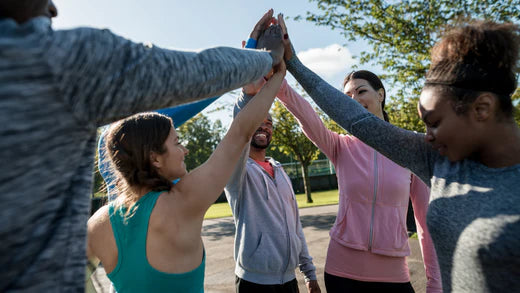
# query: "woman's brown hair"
{"points": [[129, 144], [374, 81]]}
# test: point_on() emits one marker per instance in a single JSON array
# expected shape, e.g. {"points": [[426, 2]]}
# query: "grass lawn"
{"points": [[320, 198]]}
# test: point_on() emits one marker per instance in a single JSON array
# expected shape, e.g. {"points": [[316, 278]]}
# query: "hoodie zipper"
{"points": [[373, 202], [287, 235], [288, 247]]}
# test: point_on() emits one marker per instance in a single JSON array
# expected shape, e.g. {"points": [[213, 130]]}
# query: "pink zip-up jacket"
{"points": [[373, 192]]}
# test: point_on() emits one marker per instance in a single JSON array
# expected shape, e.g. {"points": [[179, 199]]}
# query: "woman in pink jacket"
{"points": [[369, 240]]}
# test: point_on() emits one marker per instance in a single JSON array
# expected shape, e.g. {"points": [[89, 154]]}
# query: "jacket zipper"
{"points": [[373, 203], [287, 236]]}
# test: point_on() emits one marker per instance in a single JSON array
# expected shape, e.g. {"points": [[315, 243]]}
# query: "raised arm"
{"points": [[234, 185], [104, 77], [311, 124], [203, 185], [179, 115], [406, 148], [420, 196]]}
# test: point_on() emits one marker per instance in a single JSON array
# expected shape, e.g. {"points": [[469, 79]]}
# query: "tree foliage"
{"points": [[200, 136], [403, 113], [401, 35], [329, 123], [290, 140]]}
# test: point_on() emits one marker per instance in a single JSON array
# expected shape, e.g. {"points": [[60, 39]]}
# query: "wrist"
{"points": [[251, 43]]}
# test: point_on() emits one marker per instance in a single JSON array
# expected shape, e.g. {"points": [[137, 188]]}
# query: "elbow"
{"points": [[239, 135]]}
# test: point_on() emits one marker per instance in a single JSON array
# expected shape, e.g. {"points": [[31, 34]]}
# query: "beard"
{"points": [[260, 146]]}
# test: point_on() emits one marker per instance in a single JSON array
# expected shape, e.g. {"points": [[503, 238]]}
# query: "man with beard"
{"points": [[269, 241]]}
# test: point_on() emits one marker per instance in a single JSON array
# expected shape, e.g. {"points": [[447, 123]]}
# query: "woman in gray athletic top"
{"points": [[470, 154], [56, 88]]}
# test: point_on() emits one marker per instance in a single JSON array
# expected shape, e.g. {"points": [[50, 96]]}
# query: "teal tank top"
{"points": [[133, 273]]}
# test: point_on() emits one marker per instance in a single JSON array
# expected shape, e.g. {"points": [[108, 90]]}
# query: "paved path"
{"points": [[218, 236]]}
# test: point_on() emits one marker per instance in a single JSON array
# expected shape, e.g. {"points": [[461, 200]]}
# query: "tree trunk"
{"points": [[307, 182]]}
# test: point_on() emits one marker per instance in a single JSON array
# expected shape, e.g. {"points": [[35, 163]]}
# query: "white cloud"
{"points": [[328, 62]]}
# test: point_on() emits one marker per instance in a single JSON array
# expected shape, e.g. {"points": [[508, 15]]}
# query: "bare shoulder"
{"points": [[101, 241], [99, 220], [99, 229]]}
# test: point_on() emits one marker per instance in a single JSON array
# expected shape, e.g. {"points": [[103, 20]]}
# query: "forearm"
{"points": [[406, 148], [105, 77], [183, 113], [241, 101], [218, 169], [305, 260], [309, 121], [420, 195], [235, 183], [431, 265]]}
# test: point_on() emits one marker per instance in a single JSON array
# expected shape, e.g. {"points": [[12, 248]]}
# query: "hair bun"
{"points": [[481, 56]]}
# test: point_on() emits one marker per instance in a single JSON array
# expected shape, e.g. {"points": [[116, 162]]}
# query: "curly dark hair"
{"points": [[478, 57]]}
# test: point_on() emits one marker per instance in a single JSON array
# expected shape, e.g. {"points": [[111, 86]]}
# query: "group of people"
{"points": [[58, 87]]}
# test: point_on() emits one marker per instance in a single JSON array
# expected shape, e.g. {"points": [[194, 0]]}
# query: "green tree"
{"points": [[274, 151], [291, 141], [200, 136], [403, 113], [329, 123], [401, 35]]}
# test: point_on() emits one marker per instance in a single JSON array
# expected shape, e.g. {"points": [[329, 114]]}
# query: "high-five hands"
{"points": [[269, 36], [271, 40], [262, 24], [269, 32], [288, 49]]}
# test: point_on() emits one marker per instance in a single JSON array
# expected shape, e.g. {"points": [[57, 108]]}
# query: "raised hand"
{"points": [[271, 40], [262, 24], [288, 48]]}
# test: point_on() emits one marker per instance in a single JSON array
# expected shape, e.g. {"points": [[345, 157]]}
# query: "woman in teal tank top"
{"points": [[149, 238]]}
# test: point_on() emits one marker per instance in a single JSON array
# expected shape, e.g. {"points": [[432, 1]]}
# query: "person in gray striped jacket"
{"points": [[56, 88]]}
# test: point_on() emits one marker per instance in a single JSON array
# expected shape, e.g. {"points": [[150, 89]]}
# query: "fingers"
{"points": [[243, 44], [281, 22], [264, 22], [286, 41]]}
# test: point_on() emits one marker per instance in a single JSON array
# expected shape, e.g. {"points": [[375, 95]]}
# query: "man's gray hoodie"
{"points": [[269, 241]]}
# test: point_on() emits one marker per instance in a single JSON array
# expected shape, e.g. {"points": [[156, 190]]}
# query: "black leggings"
{"points": [[335, 284], [243, 286]]}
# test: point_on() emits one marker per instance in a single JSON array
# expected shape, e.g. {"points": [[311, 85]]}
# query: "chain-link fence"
{"points": [[316, 168]]}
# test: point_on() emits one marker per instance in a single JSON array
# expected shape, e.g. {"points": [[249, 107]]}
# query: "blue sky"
{"points": [[194, 25]]}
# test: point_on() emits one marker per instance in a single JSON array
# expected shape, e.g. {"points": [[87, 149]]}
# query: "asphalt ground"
{"points": [[218, 236]]}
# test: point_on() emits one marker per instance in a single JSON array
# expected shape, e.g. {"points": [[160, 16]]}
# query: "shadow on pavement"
{"points": [[226, 228], [219, 230], [318, 222]]}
